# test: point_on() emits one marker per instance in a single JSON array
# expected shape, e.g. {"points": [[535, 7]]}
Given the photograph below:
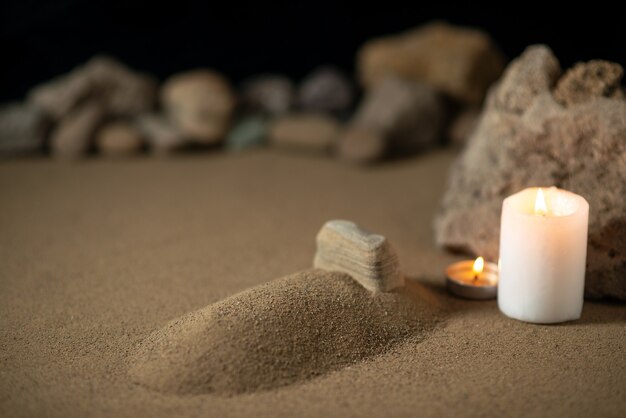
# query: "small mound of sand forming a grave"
{"points": [[288, 330]]}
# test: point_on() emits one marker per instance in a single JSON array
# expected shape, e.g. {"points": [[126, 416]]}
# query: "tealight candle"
{"points": [[543, 251], [473, 279]]}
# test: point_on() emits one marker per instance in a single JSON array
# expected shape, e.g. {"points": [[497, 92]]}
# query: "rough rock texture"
{"points": [[368, 258], [248, 132], [304, 132], [117, 139], [459, 61], [119, 90], [72, 136], [585, 80], [22, 129], [160, 134], [396, 116], [326, 89], [536, 72], [288, 330], [269, 94], [526, 138], [200, 103]]}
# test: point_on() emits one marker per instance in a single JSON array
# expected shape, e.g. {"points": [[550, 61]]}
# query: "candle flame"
{"points": [[479, 265], [540, 203]]}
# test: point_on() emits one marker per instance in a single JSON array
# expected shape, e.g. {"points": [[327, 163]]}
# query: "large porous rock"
{"points": [[73, 135], [23, 129], [268, 94], [119, 90], [200, 103], [527, 138], [397, 116], [459, 61], [305, 132], [326, 89]]}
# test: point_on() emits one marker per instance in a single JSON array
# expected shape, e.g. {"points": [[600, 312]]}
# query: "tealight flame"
{"points": [[479, 265], [540, 204]]}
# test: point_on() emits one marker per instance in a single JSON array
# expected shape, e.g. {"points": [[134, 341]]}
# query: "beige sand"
{"points": [[287, 330], [96, 256]]}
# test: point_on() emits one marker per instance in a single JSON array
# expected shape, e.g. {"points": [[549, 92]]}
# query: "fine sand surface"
{"points": [[120, 292]]}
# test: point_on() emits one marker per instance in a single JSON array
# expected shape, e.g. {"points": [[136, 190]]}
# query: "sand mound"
{"points": [[284, 331]]}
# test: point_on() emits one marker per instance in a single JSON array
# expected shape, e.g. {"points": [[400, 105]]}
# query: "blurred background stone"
{"points": [[396, 116], [160, 134], [72, 137], [325, 89], [270, 94], [23, 129], [119, 139], [200, 103], [461, 62], [248, 132], [118, 90]]}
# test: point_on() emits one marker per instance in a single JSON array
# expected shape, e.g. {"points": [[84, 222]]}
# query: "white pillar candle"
{"points": [[543, 252]]}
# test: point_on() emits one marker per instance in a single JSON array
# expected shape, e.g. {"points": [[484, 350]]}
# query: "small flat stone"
{"points": [[368, 258]]}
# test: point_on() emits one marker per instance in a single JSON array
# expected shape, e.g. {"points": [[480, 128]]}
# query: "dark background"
{"points": [[41, 39]]}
